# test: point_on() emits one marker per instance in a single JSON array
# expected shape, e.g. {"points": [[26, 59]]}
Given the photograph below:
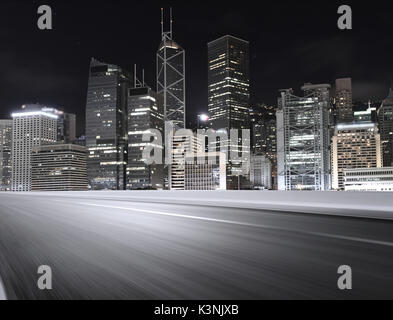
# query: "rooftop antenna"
{"points": [[137, 83], [134, 75], [162, 22], [143, 77], [171, 21]]}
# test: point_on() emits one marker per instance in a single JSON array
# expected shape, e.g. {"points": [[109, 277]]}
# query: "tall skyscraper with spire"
{"points": [[171, 76]]}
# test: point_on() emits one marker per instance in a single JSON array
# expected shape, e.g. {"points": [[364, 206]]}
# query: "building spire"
{"points": [[171, 22], [162, 22], [166, 35]]}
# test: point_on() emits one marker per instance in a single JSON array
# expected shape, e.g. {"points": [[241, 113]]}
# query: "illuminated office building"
{"points": [[354, 146], [264, 135], [182, 147], [171, 77], [58, 167], [303, 139], [206, 172], [368, 115], [106, 126], [229, 94], [5, 154], [385, 122], [344, 104], [369, 179], [33, 126], [145, 112], [66, 127]]}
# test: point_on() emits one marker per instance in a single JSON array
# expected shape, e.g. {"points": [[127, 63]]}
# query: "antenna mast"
{"points": [[134, 75], [162, 23], [171, 21]]}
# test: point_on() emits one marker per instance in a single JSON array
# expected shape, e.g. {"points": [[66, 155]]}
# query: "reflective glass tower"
{"points": [[229, 83], [171, 77], [145, 113], [106, 123], [229, 96], [344, 104], [5, 154]]}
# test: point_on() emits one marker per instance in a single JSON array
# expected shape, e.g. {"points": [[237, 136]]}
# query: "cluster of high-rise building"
{"points": [[312, 141], [324, 145]]}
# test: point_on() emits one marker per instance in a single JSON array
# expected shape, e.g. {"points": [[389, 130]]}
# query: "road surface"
{"points": [[105, 247]]}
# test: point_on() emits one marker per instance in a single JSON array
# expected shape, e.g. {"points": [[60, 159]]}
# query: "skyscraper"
{"points": [[229, 95], [145, 112], [106, 126], [303, 139], [354, 146], [264, 135], [171, 77], [344, 104], [385, 122], [229, 83], [5, 154], [33, 126]]}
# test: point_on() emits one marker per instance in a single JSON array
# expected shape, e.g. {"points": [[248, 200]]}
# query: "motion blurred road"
{"points": [[105, 247]]}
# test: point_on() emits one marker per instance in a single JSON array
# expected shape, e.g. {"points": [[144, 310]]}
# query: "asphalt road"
{"points": [[112, 248]]}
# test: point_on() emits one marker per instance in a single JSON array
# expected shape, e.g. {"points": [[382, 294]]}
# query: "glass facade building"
{"points": [[344, 103], [66, 128], [303, 139], [145, 112], [5, 154], [106, 123], [229, 83], [229, 96], [385, 122], [264, 135]]}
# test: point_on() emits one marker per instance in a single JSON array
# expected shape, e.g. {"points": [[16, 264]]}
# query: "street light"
{"points": [[202, 118]]}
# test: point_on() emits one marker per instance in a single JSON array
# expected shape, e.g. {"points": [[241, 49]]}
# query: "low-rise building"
{"points": [[58, 167], [261, 172], [206, 172], [369, 179]]}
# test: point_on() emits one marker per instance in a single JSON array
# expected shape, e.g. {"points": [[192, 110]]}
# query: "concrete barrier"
{"points": [[376, 205]]}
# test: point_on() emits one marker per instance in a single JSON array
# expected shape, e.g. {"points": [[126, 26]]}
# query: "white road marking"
{"points": [[2, 292], [319, 234]]}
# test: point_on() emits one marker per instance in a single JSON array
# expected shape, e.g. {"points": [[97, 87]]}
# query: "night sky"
{"points": [[291, 43]]}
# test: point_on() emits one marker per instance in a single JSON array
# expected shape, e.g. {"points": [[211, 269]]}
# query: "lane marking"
{"points": [[245, 224], [3, 296]]}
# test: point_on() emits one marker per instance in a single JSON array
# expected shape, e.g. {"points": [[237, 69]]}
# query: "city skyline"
{"points": [[315, 60], [195, 152]]}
